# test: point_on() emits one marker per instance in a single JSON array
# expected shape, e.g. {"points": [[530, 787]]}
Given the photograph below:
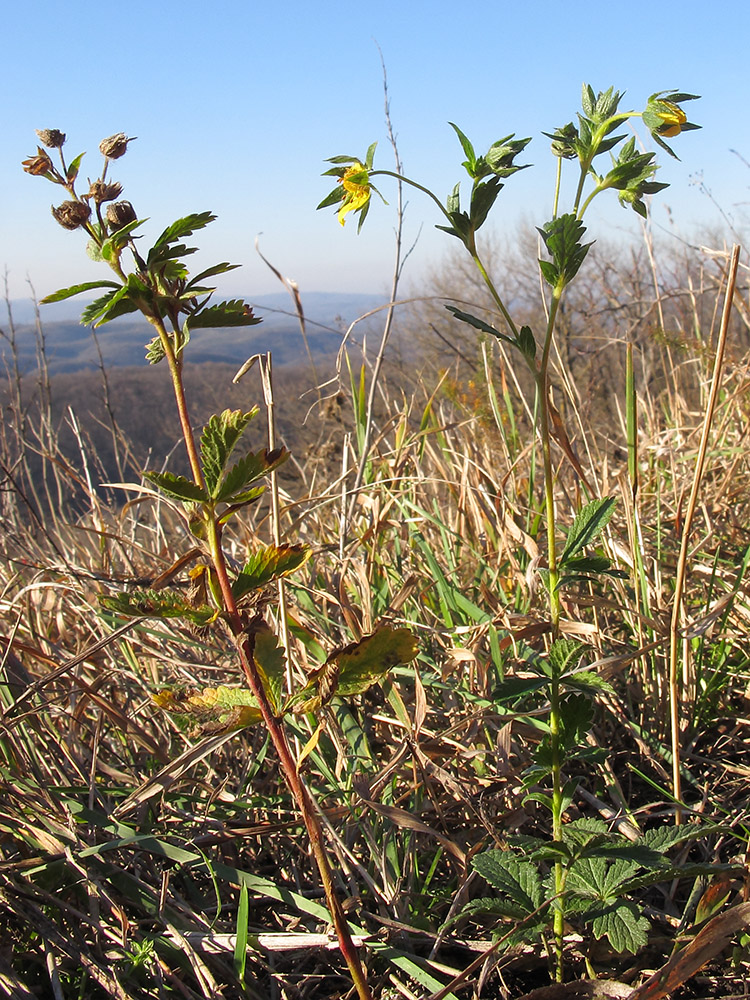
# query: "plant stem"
{"points": [[245, 646]]}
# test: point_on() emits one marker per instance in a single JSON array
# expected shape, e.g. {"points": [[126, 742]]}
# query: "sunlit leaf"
{"points": [[233, 486], [587, 525], [87, 286], [177, 487], [218, 440], [269, 564], [211, 709], [156, 604], [235, 312], [516, 878], [353, 669]]}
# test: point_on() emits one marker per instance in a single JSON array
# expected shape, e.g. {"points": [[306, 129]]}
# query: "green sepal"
{"points": [[73, 167]]}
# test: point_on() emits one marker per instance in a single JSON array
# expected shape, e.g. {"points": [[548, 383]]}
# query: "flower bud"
{"points": [[38, 165], [72, 214], [115, 146], [52, 138], [120, 213], [101, 191]]}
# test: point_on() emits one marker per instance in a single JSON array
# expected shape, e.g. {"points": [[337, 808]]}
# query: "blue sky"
{"points": [[236, 105]]}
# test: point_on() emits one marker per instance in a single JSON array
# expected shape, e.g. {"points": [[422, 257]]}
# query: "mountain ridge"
{"points": [[68, 346]]}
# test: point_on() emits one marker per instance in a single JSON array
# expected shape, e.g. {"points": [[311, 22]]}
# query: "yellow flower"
{"points": [[673, 118], [356, 184]]}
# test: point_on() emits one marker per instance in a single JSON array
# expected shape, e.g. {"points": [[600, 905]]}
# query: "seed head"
{"points": [[120, 213], [38, 165], [72, 214], [115, 146], [52, 138], [101, 191]]}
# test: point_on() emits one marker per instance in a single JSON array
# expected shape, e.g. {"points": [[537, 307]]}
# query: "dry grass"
{"points": [[124, 842]]}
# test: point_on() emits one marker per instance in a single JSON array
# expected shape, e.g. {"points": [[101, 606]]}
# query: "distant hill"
{"points": [[70, 347]]}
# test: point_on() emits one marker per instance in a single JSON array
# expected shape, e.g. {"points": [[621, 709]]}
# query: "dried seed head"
{"points": [[101, 191], [38, 165], [72, 214], [115, 146], [52, 138], [120, 213]]}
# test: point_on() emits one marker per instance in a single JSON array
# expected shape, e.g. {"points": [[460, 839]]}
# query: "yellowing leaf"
{"points": [[211, 710], [356, 667], [364, 662]]}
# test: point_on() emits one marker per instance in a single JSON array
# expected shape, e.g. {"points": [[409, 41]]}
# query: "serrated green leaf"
{"points": [[250, 468], [184, 227], [471, 157], [586, 680], [483, 197], [516, 687], [362, 663], [663, 838], [269, 564], [564, 654], [177, 487], [587, 525], [622, 923], [87, 286], [668, 873], [155, 351], [100, 307], [270, 660], [562, 238], [209, 273], [518, 879], [234, 312], [218, 440], [156, 604], [576, 718]]}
